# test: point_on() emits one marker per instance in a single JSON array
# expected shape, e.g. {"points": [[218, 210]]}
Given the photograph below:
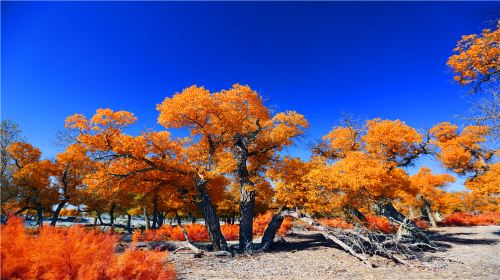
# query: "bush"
{"points": [[380, 223], [335, 223], [230, 232], [465, 219], [73, 253], [421, 224]]}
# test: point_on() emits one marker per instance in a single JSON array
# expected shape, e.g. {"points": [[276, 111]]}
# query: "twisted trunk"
{"points": [[211, 219], [271, 230], [247, 192], [355, 215], [129, 219], [59, 207], [146, 217], [155, 211], [428, 212], [39, 214], [386, 208], [111, 215]]}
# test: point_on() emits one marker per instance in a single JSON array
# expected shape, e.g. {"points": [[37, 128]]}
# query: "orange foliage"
{"points": [[465, 219], [230, 232], [477, 57], [261, 221], [335, 223], [380, 223], [73, 253], [421, 224]]}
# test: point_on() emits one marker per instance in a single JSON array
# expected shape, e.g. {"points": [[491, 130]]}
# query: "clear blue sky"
{"points": [[384, 60]]}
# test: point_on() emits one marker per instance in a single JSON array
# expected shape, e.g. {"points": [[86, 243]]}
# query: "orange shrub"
{"points": [[261, 221], [421, 224], [230, 232], [465, 219], [286, 226], [73, 253], [335, 223], [380, 223], [199, 233]]}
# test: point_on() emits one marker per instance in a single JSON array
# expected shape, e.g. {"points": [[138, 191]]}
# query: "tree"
{"points": [[9, 133], [235, 121], [467, 154], [429, 188], [32, 178], [70, 169], [476, 63]]}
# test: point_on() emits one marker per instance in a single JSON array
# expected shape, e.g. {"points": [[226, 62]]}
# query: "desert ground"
{"points": [[466, 253]]}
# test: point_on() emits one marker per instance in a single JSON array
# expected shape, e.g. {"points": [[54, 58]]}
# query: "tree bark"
{"points": [[271, 230], [247, 192], [212, 222], [428, 212], [55, 216], [100, 218], [355, 215], [155, 211], [146, 217], [111, 214], [387, 209], [129, 220], [39, 213], [247, 203]]}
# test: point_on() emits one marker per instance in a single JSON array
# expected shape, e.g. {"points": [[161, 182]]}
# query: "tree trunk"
{"points": [[212, 222], [155, 211], [146, 217], [437, 216], [271, 230], [100, 218], [39, 213], [247, 203], [161, 218], [428, 212], [387, 209], [111, 215], [355, 215], [247, 192], [129, 220], [55, 216]]}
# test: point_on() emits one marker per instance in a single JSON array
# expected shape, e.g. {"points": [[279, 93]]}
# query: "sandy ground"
{"points": [[468, 253]]}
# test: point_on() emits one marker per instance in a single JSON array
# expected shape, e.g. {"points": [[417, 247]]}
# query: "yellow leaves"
{"points": [[487, 183], [460, 152], [24, 153], [389, 140], [343, 140], [194, 107], [115, 119], [428, 184], [476, 56]]}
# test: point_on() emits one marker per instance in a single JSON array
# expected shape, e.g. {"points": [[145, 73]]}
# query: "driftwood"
{"points": [[363, 243]]}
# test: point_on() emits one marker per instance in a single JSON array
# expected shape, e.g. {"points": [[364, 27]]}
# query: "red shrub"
{"points": [[261, 221], [230, 232], [380, 223], [286, 226], [421, 224], [73, 253], [465, 219], [335, 223]]}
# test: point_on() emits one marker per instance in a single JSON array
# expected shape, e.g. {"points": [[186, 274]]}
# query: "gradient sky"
{"points": [[384, 60]]}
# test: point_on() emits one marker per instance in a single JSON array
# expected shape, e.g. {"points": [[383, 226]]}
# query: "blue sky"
{"points": [[384, 60]]}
